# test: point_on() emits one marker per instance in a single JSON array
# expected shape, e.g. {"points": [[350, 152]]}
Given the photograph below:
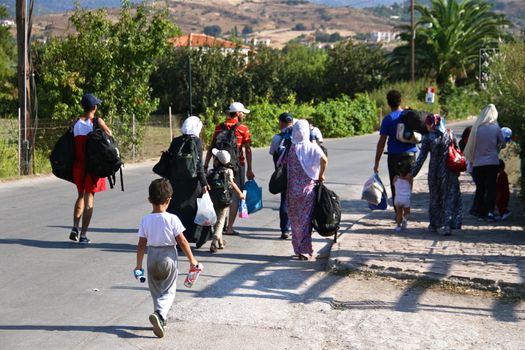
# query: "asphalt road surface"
{"points": [[56, 294]]}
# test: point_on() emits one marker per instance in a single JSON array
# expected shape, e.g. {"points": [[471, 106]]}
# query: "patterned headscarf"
{"points": [[436, 123]]}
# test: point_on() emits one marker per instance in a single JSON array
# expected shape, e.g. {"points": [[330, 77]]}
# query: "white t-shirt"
{"points": [[160, 229]]}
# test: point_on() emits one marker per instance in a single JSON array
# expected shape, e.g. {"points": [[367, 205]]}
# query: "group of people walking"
{"points": [[445, 204], [298, 147]]}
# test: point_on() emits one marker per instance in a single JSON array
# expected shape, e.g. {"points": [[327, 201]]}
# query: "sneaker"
{"points": [[74, 234], [284, 235], [397, 229], [506, 215], [84, 240], [404, 224], [493, 217], [159, 326], [444, 231]]}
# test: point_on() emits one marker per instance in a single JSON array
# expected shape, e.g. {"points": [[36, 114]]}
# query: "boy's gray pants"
{"points": [[162, 277]]}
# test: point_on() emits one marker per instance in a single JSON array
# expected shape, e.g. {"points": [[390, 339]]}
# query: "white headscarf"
{"points": [[309, 154], [488, 115], [192, 126]]}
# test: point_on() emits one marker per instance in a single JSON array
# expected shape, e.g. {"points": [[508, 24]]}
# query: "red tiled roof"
{"points": [[203, 40]]}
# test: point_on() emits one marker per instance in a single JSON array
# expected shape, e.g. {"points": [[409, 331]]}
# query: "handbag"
{"points": [[456, 161], [162, 168], [279, 179]]}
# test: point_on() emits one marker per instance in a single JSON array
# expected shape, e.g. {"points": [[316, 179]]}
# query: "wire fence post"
{"points": [[19, 142], [171, 123], [133, 138]]}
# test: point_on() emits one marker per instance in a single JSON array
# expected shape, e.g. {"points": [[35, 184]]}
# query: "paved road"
{"points": [[59, 295]]}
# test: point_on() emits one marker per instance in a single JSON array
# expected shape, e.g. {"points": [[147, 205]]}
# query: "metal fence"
{"points": [[156, 133]]}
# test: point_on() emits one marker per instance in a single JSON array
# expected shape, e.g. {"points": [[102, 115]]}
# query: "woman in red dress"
{"points": [[86, 184]]}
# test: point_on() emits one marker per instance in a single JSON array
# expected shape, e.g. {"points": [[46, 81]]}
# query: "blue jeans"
{"points": [[283, 214]]}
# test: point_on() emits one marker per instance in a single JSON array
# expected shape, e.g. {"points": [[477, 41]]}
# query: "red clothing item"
{"points": [[242, 132], [502, 192], [84, 182]]}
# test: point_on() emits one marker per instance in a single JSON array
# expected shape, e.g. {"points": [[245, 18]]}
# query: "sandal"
{"points": [[222, 244], [232, 233], [213, 247]]}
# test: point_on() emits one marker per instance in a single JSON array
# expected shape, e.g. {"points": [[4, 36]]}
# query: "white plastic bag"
{"points": [[372, 190], [205, 212]]}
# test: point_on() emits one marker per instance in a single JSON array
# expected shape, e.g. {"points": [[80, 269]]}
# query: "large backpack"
{"points": [[411, 126], [102, 155], [62, 156], [327, 212], [220, 189], [226, 140], [184, 161]]}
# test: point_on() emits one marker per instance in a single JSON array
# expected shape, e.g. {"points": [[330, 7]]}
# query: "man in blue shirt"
{"points": [[399, 153]]}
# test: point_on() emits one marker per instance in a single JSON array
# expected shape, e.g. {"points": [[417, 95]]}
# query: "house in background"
{"points": [[193, 40], [385, 37], [255, 41]]}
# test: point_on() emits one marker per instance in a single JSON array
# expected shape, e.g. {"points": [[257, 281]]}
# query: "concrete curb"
{"points": [[336, 264]]}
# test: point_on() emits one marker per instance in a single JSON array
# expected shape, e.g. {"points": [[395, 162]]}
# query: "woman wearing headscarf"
{"points": [[186, 189], [482, 150], [445, 205], [306, 164]]}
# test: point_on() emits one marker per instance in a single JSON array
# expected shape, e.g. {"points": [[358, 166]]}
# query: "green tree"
{"points": [[114, 60], [353, 68], [213, 30], [449, 35], [507, 85], [8, 94], [304, 69]]}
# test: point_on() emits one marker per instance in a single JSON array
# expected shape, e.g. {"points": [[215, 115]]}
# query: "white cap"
{"points": [[237, 107], [222, 155]]}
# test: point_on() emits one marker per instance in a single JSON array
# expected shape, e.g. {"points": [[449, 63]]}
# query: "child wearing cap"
{"points": [[221, 181]]}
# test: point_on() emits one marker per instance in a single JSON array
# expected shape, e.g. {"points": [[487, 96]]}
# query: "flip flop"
{"points": [[233, 233]]}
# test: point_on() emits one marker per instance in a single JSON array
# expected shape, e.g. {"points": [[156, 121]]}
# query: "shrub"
{"points": [[413, 95], [346, 117], [463, 102]]}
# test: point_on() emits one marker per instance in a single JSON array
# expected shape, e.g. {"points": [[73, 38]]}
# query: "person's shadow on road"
{"points": [[120, 331]]}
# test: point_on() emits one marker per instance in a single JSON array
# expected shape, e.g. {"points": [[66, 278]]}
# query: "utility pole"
{"points": [[23, 85], [412, 42], [190, 109]]}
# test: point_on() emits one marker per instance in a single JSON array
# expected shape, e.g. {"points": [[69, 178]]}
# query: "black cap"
{"points": [[89, 101], [286, 117]]}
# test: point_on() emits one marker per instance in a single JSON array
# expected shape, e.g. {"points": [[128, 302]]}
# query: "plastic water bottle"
{"points": [[193, 274], [139, 274]]}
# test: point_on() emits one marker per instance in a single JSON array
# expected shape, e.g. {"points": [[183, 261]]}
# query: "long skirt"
{"points": [[300, 199], [184, 205]]}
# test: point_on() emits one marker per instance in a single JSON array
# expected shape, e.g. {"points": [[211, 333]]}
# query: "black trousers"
{"points": [[485, 198], [396, 163]]}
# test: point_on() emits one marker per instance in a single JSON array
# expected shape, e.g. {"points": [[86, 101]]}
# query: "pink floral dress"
{"points": [[300, 197]]}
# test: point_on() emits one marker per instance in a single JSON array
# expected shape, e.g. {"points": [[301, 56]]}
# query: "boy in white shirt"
{"points": [[161, 232]]}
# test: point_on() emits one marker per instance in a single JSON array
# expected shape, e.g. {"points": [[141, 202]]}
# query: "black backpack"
{"points": [[102, 155], [62, 156], [226, 140], [220, 189], [327, 212], [184, 161]]}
